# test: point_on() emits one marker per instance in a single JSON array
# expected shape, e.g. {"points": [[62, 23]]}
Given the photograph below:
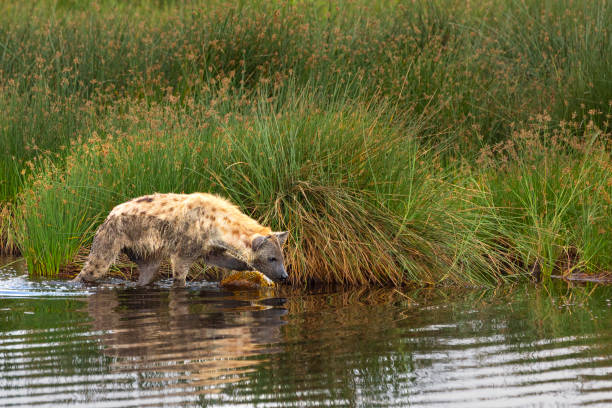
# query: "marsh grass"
{"points": [[8, 243], [549, 193], [423, 142]]}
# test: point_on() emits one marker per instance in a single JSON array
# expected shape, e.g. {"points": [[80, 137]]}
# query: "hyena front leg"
{"points": [[180, 269], [147, 272]]}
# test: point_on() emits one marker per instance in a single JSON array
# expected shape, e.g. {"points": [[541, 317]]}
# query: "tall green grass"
{"points": [[397, 141], [549, 191], [476, 68], [32, 126]]}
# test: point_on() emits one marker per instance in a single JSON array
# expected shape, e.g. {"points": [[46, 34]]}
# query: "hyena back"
{"points": [[184, 228]]}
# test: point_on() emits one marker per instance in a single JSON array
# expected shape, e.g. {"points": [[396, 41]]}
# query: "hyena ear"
{"points": [[281, 236], [258, 241]]}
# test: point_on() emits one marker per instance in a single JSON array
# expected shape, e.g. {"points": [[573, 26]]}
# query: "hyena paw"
{"points": [[178, 283], [84, 277]]}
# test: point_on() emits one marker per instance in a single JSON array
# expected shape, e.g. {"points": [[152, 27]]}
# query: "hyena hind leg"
{"points": [[96, 266], [147, 272], [104, 250], [180, 269]]}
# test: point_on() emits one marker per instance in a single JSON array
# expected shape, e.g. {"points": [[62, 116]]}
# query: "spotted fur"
{"points": [[184, 228]]}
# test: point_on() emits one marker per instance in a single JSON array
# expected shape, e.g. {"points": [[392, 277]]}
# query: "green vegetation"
{"points": [[420, 143]]}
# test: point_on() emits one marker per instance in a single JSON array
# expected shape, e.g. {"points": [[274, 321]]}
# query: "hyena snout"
{"points": [[273, 270], [277, 275], [283, 276]]}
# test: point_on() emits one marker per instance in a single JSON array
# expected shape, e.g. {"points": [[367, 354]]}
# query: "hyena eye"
{"points": [[271, 259]]}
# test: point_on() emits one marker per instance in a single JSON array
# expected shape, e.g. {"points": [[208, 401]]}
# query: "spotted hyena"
{"points": [[184, 228]]}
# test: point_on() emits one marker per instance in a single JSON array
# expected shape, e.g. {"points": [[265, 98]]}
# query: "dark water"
{"points": [[117, 346]]}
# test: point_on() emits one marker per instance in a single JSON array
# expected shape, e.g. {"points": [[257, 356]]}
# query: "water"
{"points": [[118, 346]]}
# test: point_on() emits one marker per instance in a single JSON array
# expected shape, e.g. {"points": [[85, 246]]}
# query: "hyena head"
{"points": [[268, 255]]}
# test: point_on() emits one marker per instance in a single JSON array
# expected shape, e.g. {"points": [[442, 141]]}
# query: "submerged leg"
{"points": [[180, 269], [147, 272]]}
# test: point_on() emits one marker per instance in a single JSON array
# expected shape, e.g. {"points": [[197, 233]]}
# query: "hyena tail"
{"points": [[107, 244]]}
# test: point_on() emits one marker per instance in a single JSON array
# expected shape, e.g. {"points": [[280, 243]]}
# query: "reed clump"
{"points": [[420, 142], [548, 188]]}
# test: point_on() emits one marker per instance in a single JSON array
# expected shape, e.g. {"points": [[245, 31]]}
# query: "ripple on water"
{"points": [[120, 346], [14, 282]]}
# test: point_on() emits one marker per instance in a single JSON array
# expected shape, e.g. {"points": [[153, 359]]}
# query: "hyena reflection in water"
{"points": [[184, 228], [171, 334]]}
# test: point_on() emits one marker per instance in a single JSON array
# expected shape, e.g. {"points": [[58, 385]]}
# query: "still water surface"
{"points": [[118, 346]]}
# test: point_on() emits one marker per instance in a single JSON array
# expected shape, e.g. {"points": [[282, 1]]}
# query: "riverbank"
{"points": [[416, 144]]}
